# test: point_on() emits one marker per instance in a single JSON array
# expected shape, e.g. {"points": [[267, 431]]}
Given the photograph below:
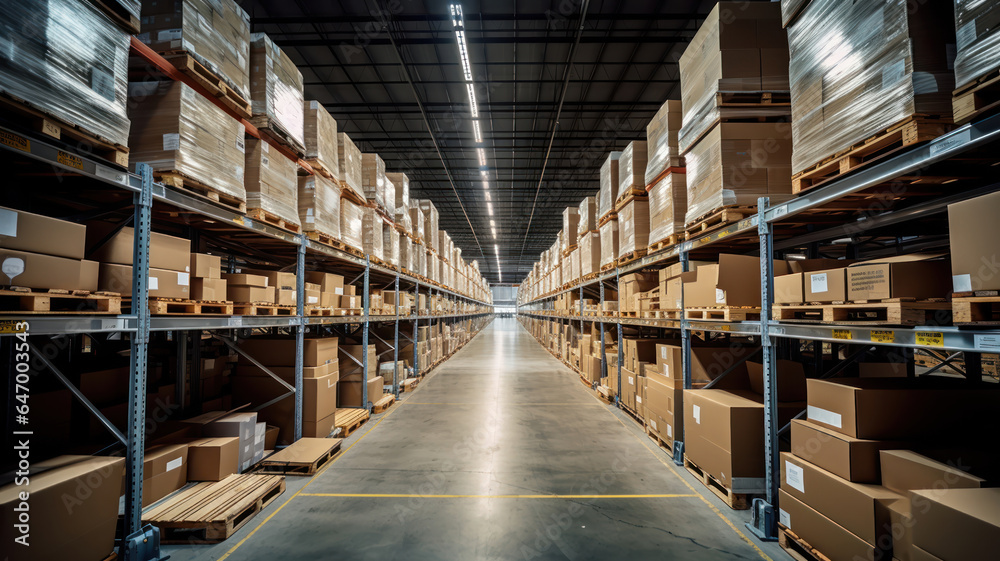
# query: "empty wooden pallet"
{"points": [[305, 457], [349, 420]]}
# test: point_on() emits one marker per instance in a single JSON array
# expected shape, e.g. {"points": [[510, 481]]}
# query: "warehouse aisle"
{"points": [[500, 454]]}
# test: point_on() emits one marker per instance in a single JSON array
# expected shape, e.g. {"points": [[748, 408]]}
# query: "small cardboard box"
{"points": [[164, 470], [162, 283], [788, 289], [904, 276], [245, 279], [733, 281], [34, 270], [285, 297], [825, 286], [240, 425], [317, 351], [206, 266], [35, 233], [213, 459], [251, 294], [209, 290], [328, 282], [276, 279]]}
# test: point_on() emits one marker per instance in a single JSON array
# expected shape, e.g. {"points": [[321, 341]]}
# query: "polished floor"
{"points": [[500, 454]]}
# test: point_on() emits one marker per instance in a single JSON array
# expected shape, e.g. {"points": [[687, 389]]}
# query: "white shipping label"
{"points": [[670, 431], [175, 463], [988, 342], [652, 423], [966, 35], [168, 35], [663, 352], [638, 399], [720, 296], [313, 299], [893, 73], [666, 370], [154, 283], [795, 477], [696, 411], [12, 266], [183, 279], [631, 382], [111, 174], [8, 223], [784, 519], [818, 283], [172, 141], [961, 283], [339, 290], [823, 416]]}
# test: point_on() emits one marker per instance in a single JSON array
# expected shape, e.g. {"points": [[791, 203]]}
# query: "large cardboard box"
{"points": [[162, 283], [789, 375], [904, 276], [853, 459], [733, 281], [213, 459], [33, 270], [788, 289], [974, 232], [164, 470], [206, 266], [825, 535], [608, 193], [281, 352], [63, 523], [165, 252], [251, 294], [319, 395], [664, 408], [35, 233], [633, 221], [957, 523], [906, 470], [707, 363]]}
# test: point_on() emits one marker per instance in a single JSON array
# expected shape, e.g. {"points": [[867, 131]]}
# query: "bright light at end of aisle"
{"points": [[489, 207], [488, 196]]}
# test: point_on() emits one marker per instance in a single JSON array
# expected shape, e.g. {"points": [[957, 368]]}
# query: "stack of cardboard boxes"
{"points": [[169, 261], [207, 283], [351, 359], [633, 217], [42, 252], [320, 129], [249, 289], [349, 162], [665, 176], [276, 90]]}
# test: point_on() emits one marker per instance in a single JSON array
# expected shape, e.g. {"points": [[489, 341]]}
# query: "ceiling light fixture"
{"points": [[477, 131], [482, 156], [488, 196], [489, 207]]}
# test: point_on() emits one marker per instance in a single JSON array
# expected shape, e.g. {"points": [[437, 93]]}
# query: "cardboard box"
{"points": [[213, 459], [35, 233], [664, 408], [251, 294], [165, 252], [281, 352], [349, 391], [328, 282], [271, 437], [973, 233], [206, 266], [857, 507], [164, 470], [733, 281], [209, 290], [352, 368], [276, 279], [788, 289], [285, 297], [245, 279], [33, 270], [162, 283], [86, 531], [258, 442], [906, 470], [823, 534], [853, 459], [319, 395], [707, 363], [957, 523], [904, 276], [825, 286], [240, 425]]}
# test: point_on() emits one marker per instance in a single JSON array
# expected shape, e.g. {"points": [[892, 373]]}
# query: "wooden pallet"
{"points": [[273, 131], [116, 11], [273, 219], [212, 512], [612, 215], [722, 313], [322, 237], [667, 242], [305, 456], [211, 81], [629, 195], [20, 300], [319, 311], [718, 218], [976, 310], [655, 437], [349, 420], [179, 307], [604, 393], [608, 267], [261, 309], [910, 131], [34, 121], [868, 313], [978, 98], [797, 548], [383, 404], [586, 383], [662, 314], [630, 257], [320, 169], [632, 413], [179, 181], [735, 501], [409, 384]]}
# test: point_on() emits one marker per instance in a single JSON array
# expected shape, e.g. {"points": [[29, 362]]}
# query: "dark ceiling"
{"points": [[359, 58]]}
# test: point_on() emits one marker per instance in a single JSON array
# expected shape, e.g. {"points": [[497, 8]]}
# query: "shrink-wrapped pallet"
{"points": [[430, 213], [401, 209], [609, 243], [275, 88], [349, 162], [632, 168], [177, 130], [390, 244], [373, 179], [416, 219], [977, 34], [571, 227], [633, 224], [590, 253], [588, 216], [216, 33], [406, 253], [371, 232], [574, 264], [351, 220], [69, 60], [321, 138], [608, 193], [667, 205], [271, 181], [319, 205], [662, 152], [858, 68]]}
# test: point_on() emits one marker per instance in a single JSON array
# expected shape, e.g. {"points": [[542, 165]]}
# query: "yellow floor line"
{"points": [[418, 496]]}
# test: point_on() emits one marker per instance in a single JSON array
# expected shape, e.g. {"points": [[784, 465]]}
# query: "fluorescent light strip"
{"points": [[488, 196], [482, 156], [477, 131], [463, 52], [472, 100], [486, 185], [489, 207]]}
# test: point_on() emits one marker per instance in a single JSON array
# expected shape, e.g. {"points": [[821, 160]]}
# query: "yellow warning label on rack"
{"points": [[69, 160], [930, 338], [883, 336], [13, 326], [842, 334], [15, 141]]}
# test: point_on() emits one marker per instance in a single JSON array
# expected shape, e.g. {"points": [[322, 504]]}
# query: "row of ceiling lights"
{"points": [[458, 23]]}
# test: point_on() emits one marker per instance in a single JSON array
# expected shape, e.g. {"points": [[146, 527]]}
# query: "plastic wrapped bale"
{"points": [[271, 181], [416, 219], [351, 219], [632, 169], [667, 205], [275, 89], [608, 194], [216, 33], [371, 230], [175, 129], [68, 59], [859, 68], [588, 216], [349, 162], [735, 164], [590, 253], [633, 223], [740, 47], [390, 244], [977, 39], [373, 179], [320, 129], [319, 205], [609, 243], [662, 151], [419, 259], [389, 196], [406, 253], [401, 213], [574, 264], [571, 227], [430, 223]]}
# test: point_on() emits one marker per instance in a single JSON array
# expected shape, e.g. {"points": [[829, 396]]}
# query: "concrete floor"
{"points": [[500, 453]]}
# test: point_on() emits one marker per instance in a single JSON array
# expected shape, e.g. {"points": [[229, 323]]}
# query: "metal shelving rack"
{"points": [[761, 228], [138, 325]]}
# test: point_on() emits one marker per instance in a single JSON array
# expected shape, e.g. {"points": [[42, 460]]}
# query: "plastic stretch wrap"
{"points": [[390, 244], [667, 205], [176, 129], [858, 68], [68, 59], [276, 86], [419, 259], [574, 264], [609, 242], [608, 194], [633, 221], [402, 183], [790, 9], [373, 179], [565, 270], [571, 226], [402, 219], [215, 32], [371, 233], [734, 164], [632, 167], [416, 219], [319, 205], [978, 40], [351, 219], [662, 151], [740, 47], [587, 213], [389, 195], [406, 253], [320, 129], [271, 181], [349, 162], [590, 253], [430, 213]]}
